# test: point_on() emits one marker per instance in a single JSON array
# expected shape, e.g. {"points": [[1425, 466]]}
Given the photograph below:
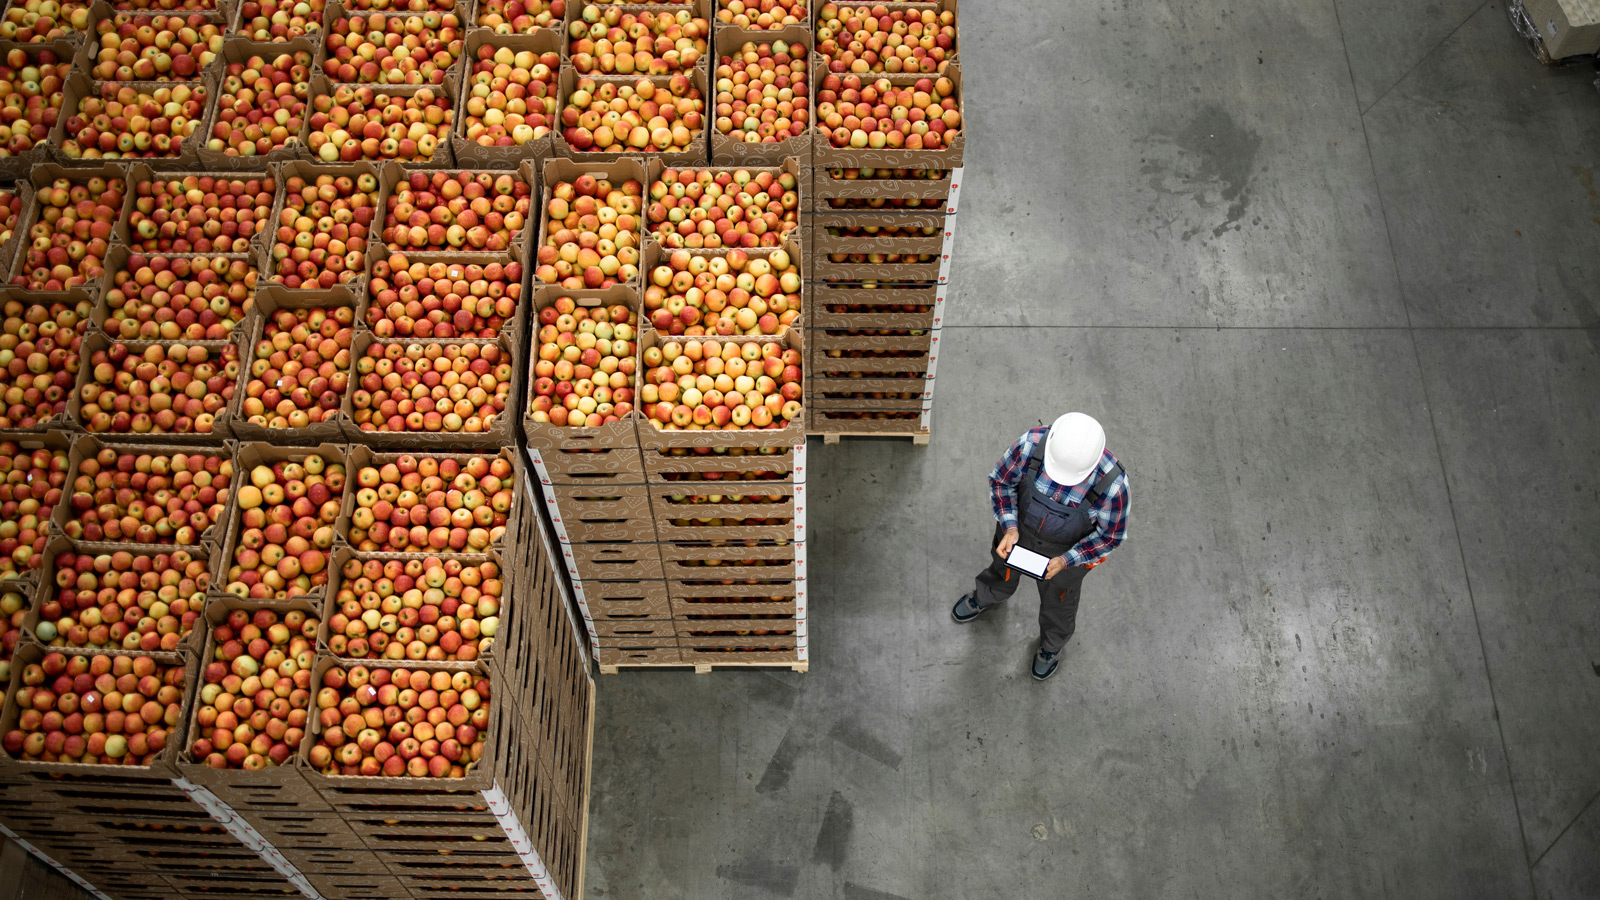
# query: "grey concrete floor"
{"points": [[1330, 274]]}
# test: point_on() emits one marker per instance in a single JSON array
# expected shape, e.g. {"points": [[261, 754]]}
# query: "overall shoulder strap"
{"points": [[1036, 459], [1103, 486]]}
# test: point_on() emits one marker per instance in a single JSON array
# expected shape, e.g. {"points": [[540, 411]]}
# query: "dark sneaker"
{"points": [[1045, 664], [966, 609]]}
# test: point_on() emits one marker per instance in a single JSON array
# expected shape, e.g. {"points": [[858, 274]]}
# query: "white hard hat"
{"points": [[1074, 448]]}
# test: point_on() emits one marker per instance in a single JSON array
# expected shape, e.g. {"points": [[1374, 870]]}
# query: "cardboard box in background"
{"points": [[1567, 27]]}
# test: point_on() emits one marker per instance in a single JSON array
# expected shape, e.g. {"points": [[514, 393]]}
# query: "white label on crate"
{"points": [[246, 834], [955, 190], [540, 471], [501, 807], [45, 858], [799, 512], [927, 417], [800, 463]]}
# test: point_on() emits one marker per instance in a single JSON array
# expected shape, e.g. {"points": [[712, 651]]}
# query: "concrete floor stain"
{"points": [[1211, 160]]}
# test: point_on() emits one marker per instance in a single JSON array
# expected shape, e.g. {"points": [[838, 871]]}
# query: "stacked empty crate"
{"points": [[881, 226], [174, 237], [665, 570]]}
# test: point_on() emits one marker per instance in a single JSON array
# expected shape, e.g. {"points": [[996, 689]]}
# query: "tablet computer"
{"points": [[1026, 561]]}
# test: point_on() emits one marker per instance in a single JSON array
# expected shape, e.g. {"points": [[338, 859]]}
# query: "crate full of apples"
{"points": [[707, 392], [858, 124], [891, 38], [459, 211], [610, 39], [406, 123], [323, 220], [712, 208], [149, 494], [584, 380], [426, 295], [46, 341], [138, 390], [394, 48], [429, 502], [509, 104], [420, 725], [119, 596], [761, 91], [724, 293], [660, 116], [111, 120], [33, 84], [437, 394], [895, 190], [73, 712], [282, 522], [36, 470], [262, 106], [181, 213], [297, 355], [161, 297], [589, 230], [401, 610], [278, 21], [69, 225]]}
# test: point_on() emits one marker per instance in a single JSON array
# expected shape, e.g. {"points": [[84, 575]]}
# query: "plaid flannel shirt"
{"points": [[1110, 516]]}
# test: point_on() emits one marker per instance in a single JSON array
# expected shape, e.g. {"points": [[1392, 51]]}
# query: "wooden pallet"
{"points": [[919, 439], [705, 668]]}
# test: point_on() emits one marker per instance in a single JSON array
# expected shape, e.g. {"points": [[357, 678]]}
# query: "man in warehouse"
{"points": [[1059, 493]]}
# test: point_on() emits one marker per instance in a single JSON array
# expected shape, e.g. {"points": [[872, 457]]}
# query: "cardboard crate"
{"points": [[899, 340], [759, 625], [336, 10], [18, 165], [101, 11], [499, 432], [397, 173], [239, 50], [46, 590], [826, 156], [239, 23], [670, 467], [687, 608], [767, 584], [559, 169], [694, 155], [862, 272], [101, 317], [444, 97], [765, 650], [558, 443], [853, 183], [837, 306], [487, 647], [246, 457], [93, 786], [676, 518], [42, 176], [657, 255], [936, 6], [729, 151], [628, 561], [847, 421], [469, 152], [596, 512], [652, 437], [1566, 27], [638, 656], [361, 457], [182, 155], [700, 9], [628, 628], [685, 562], [796, 167], [627, 599], [822, 241], [218, 354], [571, 463], [143, 173], [351, 282], [336, 426]]}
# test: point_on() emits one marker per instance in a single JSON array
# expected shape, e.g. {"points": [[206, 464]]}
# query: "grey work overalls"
{"points": [[1050, 528]]}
